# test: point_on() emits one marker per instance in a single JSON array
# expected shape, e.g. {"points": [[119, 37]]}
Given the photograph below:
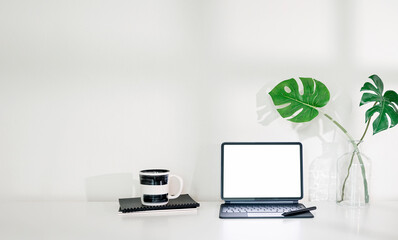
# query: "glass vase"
{"points": [[322, 177], [353, 177]]}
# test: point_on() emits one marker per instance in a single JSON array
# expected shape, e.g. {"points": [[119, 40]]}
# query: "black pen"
{"points": [[303, 210]]}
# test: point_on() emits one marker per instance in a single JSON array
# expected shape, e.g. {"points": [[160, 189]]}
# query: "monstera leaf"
{"points": [[300, 107], [384, 104]]}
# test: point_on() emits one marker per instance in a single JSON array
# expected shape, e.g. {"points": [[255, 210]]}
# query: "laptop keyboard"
{"points": [[258, 208]]}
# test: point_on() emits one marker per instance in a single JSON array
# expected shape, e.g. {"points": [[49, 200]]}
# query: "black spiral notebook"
{"points": [[129, 205]]}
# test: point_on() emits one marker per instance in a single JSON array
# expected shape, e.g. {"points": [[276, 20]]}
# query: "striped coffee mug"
{"points": [[155, 186]]}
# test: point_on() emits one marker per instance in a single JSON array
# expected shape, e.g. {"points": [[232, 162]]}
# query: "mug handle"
{"points": [[180, 190]]}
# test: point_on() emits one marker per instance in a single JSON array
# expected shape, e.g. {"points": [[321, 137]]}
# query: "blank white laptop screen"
{"points": [[262, 171]]}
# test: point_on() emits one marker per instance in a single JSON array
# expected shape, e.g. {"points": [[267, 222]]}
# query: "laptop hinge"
{"points": [[263, 202]]}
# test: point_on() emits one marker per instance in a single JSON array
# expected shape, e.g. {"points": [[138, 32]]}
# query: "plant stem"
{"points": [[356, 151], [346, 178], [366, 129]]}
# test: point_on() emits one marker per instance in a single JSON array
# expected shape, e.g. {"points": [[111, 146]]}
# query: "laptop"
{"points": [[261, 179]]}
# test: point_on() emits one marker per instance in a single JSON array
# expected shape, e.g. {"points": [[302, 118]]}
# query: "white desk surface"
{"points": [[99, 220]]}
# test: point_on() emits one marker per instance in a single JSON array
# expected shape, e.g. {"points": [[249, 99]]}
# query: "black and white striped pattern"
{"points": [[154, 185]]}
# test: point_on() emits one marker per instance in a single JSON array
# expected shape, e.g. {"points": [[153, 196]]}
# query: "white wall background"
{"points": [[93, 91]]}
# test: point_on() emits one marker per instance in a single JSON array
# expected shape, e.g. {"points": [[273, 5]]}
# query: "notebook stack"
{"points": [[184, 204]]}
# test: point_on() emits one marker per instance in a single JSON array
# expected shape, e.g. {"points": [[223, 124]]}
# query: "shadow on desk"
{"points": [[110, 187]]}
